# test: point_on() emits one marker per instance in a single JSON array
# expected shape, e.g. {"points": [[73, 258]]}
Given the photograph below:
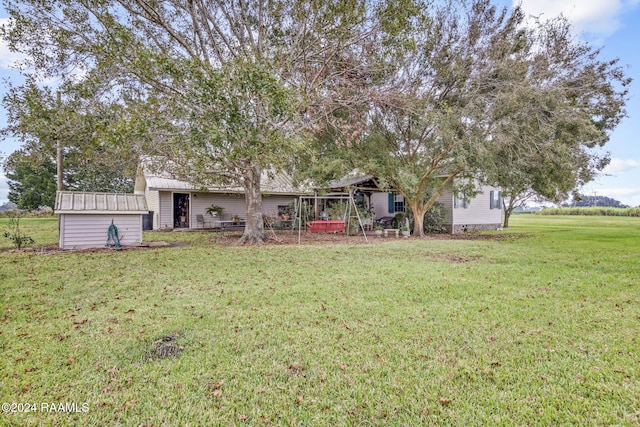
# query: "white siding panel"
{"points": [[380, 204], [153, 202], [270, 203], [232, 204], [446, 198], [478, 210], [165, 211], [91, 231]]}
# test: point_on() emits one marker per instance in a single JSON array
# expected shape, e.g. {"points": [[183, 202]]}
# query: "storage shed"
{"points": [[84, 218]]}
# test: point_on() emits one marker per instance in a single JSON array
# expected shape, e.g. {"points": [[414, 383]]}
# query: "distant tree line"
{"points": [[582, 200]]}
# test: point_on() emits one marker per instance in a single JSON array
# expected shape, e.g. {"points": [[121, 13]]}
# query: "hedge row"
{"points": [[591, 211]]}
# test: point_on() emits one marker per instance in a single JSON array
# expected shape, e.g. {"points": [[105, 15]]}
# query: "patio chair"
{"points": [[201, 220]]}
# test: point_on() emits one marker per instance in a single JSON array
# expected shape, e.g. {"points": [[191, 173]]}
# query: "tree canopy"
{"points": [[466, 93], [426, 96], [226, 88], [97, 154]]}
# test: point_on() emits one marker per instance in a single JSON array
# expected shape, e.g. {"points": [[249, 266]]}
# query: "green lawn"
{"points": [[538, 328]]}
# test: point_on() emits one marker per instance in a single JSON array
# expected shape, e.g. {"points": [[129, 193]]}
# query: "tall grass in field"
{"points": [[591, 211]]}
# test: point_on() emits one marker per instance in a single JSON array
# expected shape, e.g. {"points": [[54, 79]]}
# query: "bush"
{"points": [[434, 219]]}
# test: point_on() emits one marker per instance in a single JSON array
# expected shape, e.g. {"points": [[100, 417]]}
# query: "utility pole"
{"points": [[59, 158]]}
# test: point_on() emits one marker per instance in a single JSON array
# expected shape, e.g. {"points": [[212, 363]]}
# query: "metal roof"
{"points": [[158, 178], [348, 181], [99, 203]]}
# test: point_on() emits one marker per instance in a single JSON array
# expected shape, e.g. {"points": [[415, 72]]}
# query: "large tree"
{"points": [[224, 89], [98, 155], [560, 115], [466, 93], [442, 72], [32, 182]]}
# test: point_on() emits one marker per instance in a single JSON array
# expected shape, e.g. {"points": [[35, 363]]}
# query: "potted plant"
{"points": [[215, 211], [377, 229]]}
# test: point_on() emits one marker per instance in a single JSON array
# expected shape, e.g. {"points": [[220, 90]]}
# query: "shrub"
{"points": [[434, 219]]}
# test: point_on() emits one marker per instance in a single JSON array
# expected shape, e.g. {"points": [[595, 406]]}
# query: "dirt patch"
{"points": [[56, 249], [165, 347], [288, 238], [455, 258]]}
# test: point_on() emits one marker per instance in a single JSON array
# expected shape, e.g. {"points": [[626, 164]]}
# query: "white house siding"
{"points": [[380, 205], [270, 203], [153, 203], [165, 211], [232, 205], [199, 202], [478, 214], [446, 198], [82, 231]]}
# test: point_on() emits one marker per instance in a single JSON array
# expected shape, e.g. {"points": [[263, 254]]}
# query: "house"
{"points": [[85, 218], [177, 204], [482, 212]]}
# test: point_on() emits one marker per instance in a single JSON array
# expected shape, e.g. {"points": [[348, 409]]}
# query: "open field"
{"points": [[591, 211], [538, 325]]}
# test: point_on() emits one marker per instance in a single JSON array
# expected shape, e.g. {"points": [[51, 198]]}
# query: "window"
{"points": [[396, 203], [460, 201], [495, 199]]}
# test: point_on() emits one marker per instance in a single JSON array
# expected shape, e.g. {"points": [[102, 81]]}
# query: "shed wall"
{"points": [[82, 231]]}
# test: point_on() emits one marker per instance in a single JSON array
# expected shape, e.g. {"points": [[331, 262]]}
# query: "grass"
{"points": [[537, 327]]}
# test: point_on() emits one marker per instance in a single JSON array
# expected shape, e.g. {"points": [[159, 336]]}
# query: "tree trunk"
{"points": [[254, 228], [507, 215], [419, 211]]}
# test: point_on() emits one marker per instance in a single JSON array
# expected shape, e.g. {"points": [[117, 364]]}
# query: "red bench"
{"points": [[332, 226]]}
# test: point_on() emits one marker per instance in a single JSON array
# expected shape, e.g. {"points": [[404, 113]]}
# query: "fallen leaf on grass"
{"points": [[217, 393], [242, 417], [128, 404], [296, 369], [444, 400]]}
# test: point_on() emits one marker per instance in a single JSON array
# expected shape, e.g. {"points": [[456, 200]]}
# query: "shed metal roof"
{"points": [[76, 202]]}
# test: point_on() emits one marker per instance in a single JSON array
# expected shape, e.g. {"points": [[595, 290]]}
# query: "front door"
{"points": [[180, 210]]}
